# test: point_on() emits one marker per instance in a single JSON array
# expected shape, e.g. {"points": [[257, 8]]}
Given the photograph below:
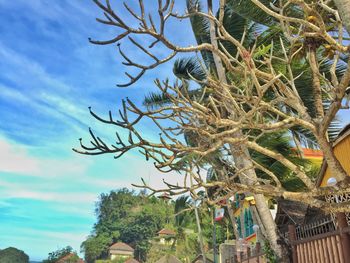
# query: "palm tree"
{"points": [[238, 19], [187, 69], [184, 221]]}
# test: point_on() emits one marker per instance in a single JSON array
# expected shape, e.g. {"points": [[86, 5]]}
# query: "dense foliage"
{"points": [[13, 255], [125, 216], [135, 219]]}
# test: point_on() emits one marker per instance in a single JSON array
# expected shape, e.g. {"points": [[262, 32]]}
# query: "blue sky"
{"points": [[49, 75]]}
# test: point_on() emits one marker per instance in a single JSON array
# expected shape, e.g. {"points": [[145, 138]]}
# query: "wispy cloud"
{"points": [[49, 75], [15, 159]]}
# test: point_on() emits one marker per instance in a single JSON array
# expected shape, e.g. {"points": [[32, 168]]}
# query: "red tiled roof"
{"points": [[165, 231], [164, 196], [66, 257], [168, 259], [311, 153], [121, 246], [131, 260]]}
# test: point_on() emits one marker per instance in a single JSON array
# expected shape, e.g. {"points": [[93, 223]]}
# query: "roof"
{"points": [[199, 259], [293, 211], [312, 153], [131, 260], [165, 231], [344, 133], [121, 246], [297, 213], [164, 196], [168, 259], [67, 257]]}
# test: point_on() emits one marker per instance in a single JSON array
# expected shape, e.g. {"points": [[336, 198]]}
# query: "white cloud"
{"points": [[15, 159], [74, 197]]}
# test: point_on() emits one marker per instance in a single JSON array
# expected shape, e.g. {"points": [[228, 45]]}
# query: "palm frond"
{"points": [[235, 25], [200, 27], [156, 99], [189, 68], [250, 11]]}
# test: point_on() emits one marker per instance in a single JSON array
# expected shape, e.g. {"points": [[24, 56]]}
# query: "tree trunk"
{"points": [[343, 7], [242, 157], [232, 219], [242, 160]]}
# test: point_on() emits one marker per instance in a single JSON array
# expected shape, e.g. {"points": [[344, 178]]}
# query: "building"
{"points": [[166, 236], [120, 250], [168, 259], [71, 257], [243, 207], [209, 258], [296, 213], [341, 147], [244, 204], [131, 260]]}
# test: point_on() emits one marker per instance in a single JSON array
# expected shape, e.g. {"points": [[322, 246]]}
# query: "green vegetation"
{"points": [[13, 255], [127, 217], [135, 219], [60, 253]]}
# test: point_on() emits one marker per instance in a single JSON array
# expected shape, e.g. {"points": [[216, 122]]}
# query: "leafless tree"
{"points": [[247, 98]]}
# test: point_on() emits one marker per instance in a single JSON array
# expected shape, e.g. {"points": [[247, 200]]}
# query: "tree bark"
{"points": [[242, 160], [343, 7], [232, 219]]}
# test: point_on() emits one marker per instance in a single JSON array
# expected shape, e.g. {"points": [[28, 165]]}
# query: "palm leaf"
{"points": [[200, 27], [189, 68], [156, 99], [250, 11]]}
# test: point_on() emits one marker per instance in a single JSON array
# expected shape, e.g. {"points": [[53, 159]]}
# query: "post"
{"points": [[292, 239], [200, 236], [214, 240], [344, 237], [241, 253], [257, 251]]}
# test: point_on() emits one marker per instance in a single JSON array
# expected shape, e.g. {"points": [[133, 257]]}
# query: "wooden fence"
{"points": [[320, 242]]}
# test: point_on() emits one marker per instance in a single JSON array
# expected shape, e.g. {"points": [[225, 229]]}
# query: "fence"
{"points": [[321, 242]]}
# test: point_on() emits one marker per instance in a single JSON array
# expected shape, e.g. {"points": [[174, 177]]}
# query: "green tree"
{"points": [[13, 255], [128, 217], [96, 246], [60, 253]]}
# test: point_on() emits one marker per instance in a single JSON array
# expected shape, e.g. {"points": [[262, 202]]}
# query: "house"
{"points": [[296, 213], [69, 258], [341, 147], [168, 259], [165, 197], [131, 260], [166, 236], [209, 258], [245, 204], [120, 250]]}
